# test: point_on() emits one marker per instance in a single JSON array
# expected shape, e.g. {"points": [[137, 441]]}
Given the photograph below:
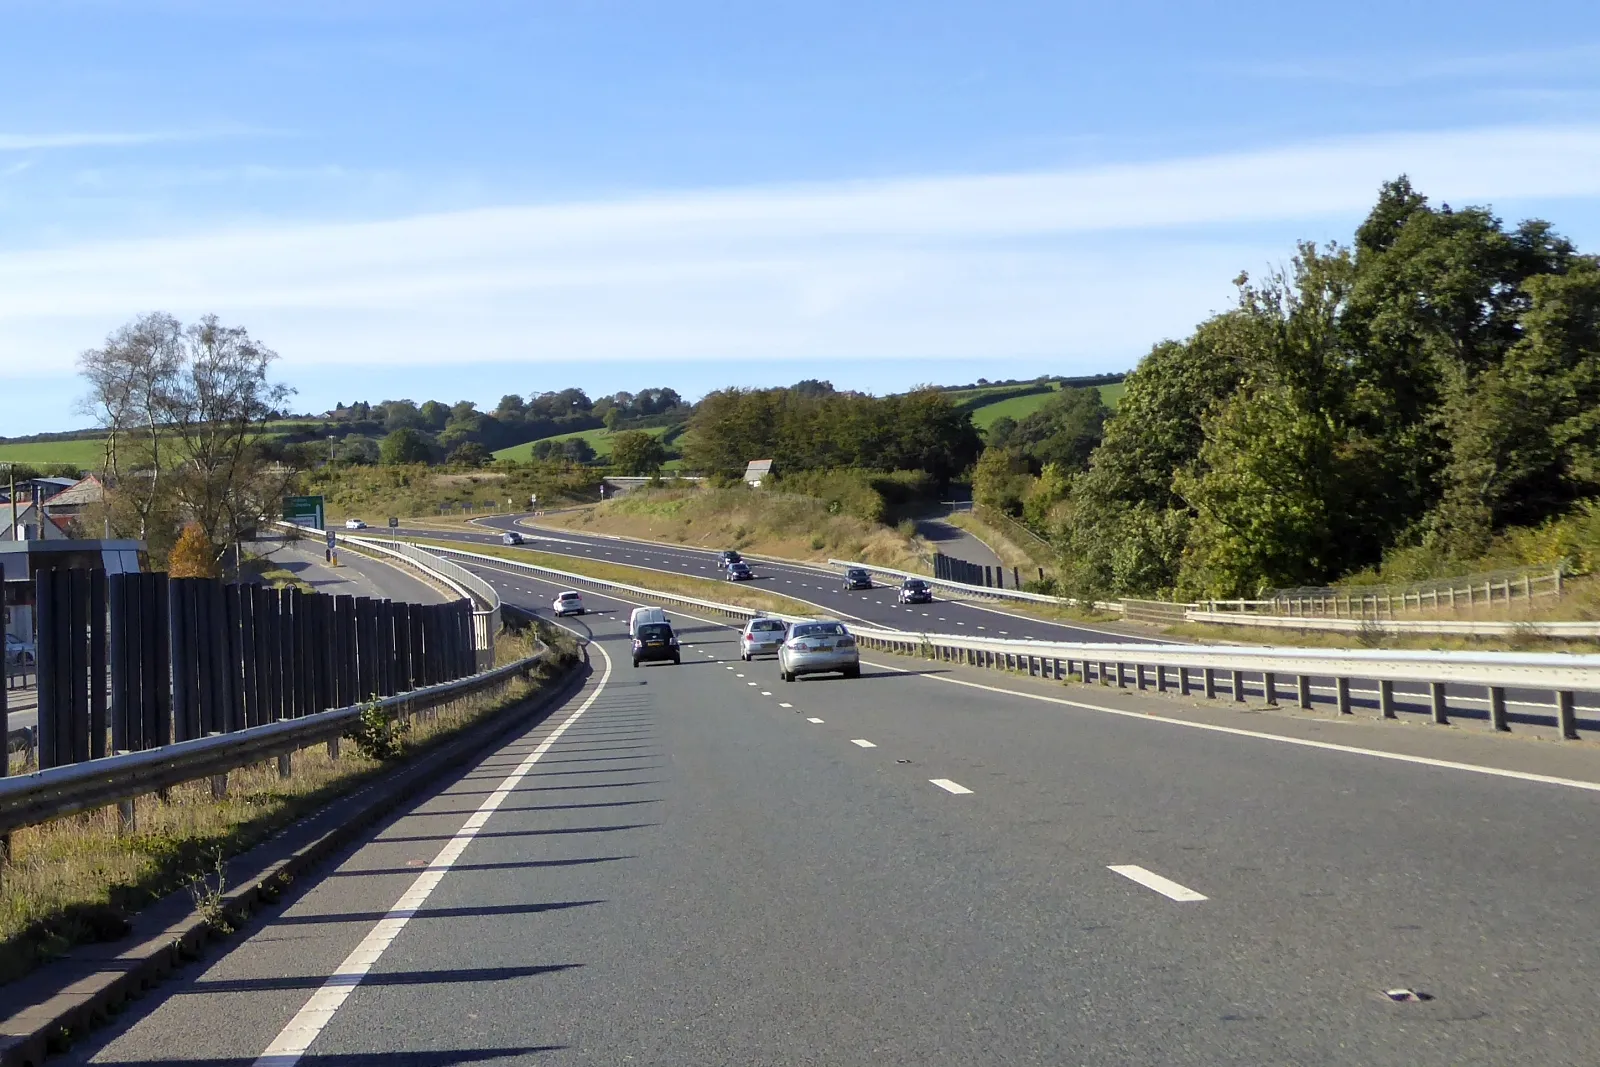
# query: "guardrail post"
{"points": [[1122, 681], [1183, 681], [1342, 689], [1138, 676], [1209, 681], [286, 765], [1161, 678], [1269, 688], [1303, 688], [1497, 708], [219, 786], [1436, 698], [1566, 715], [1386, 699], [127, 817], [333, 749], [1238, 686]]}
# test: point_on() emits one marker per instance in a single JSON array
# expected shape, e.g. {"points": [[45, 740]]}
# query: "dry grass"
{"points": [[758, 521], [77, 879]]}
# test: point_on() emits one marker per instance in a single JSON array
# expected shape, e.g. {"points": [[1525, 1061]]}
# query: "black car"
{"points": [[655, 641], [915, 591], [856, 578], [730, 557], [740, 572], [511, 537]]}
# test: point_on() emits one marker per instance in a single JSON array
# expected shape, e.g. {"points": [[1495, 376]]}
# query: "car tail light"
{"points": [[845, 642]]}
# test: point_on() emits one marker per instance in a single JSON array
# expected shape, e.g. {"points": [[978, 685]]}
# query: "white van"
{"points": [[641, 616]]}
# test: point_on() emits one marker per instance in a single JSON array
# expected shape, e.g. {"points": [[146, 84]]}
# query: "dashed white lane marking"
{"points": [[1151, 880], [948, 786], [785, 705], [809, 719], [738, 676], [319, 1009], [1300, 742], [765, 693], [747, 683], [863, 742]]}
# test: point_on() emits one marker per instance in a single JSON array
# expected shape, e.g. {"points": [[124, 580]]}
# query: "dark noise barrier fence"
{"points": [[136, 661], [950, 569]]}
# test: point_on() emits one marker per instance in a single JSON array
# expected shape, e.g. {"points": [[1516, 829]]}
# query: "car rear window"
{"points": [[568, 596], [818, 629], [655, 629], [766, 625]]}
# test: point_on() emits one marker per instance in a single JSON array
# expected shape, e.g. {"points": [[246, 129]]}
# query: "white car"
{"points": [[354, 524], [761, 637], [568, 603]]}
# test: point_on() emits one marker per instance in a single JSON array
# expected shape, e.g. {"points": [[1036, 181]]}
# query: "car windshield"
{"points": [[765, 625], [655, 631], [915, 584], [818, 629], [857, 573]]}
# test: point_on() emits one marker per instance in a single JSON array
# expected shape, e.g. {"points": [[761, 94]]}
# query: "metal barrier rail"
{"points": [[26, 800], [1562, 674], [1461, 627]]}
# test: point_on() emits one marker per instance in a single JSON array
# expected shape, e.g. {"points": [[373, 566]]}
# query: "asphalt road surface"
{"points": [[823, 586], [702, 865]]}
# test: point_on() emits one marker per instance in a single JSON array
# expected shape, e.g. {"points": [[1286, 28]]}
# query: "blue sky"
{"points": [[460, 200]]}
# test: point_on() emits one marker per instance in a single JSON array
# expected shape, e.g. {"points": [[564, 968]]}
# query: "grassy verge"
{"points": [[751, 520], [721, 592], [76, 880]]}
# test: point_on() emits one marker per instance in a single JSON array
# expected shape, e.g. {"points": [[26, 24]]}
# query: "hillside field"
{"points": [[85, 454], [1020, 407], [599, 439]]}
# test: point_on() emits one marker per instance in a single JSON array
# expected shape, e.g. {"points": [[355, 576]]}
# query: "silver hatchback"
{"points": [[818, 648]]}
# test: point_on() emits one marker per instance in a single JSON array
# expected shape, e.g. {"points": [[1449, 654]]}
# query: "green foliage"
{"points": [[1000, 480], [377, 736], [404, 446], [637, 452], [1412, 400], [865, 494], [921, 430], [469, 454], [1064, 431]]}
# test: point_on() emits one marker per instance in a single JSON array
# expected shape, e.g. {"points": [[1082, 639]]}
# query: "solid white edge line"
{"points": [[1151, 880], [319, 1009], [950, 787], [1326, 746]]}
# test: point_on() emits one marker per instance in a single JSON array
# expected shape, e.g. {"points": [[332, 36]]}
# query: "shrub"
{"points": [[376, 735]]}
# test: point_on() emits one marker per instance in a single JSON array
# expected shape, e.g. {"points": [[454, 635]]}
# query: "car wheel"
{"points": [[636, 663], [853, 672], [677, 660]]}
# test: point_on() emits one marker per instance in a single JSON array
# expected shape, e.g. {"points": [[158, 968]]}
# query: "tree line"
{"points": [[812, 426], [1403, 398]]}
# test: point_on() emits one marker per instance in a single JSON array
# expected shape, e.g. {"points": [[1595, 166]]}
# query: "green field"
{"points": [[1020, 407], [599, 440], [83, 454]]}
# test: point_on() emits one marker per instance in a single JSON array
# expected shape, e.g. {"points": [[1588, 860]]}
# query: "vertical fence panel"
{"points": [[77, 725], [208, 698], [156, 660], [182, 656], [117, 598], [97, 664], [234, 649], [249, 680], [414, 613], [402, 647], [48, 647]]}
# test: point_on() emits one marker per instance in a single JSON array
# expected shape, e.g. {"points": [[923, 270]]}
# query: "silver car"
{"points": [[761, 637], [818, 648]]}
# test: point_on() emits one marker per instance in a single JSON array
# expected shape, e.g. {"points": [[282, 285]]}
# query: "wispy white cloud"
{"points": [[1579, 60], [23, 142], [1102, 260]]}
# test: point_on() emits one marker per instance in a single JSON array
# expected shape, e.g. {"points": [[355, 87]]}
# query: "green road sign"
{"points": [[303, 510]]}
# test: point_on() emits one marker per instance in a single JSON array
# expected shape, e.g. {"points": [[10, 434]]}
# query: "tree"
{"points": [[1000, 431], [1065, 429], [577, 450], [1000, 480], [611, 418], [404, 446], [470, 454], [184, 409], [637, 452], [193, 556]]}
